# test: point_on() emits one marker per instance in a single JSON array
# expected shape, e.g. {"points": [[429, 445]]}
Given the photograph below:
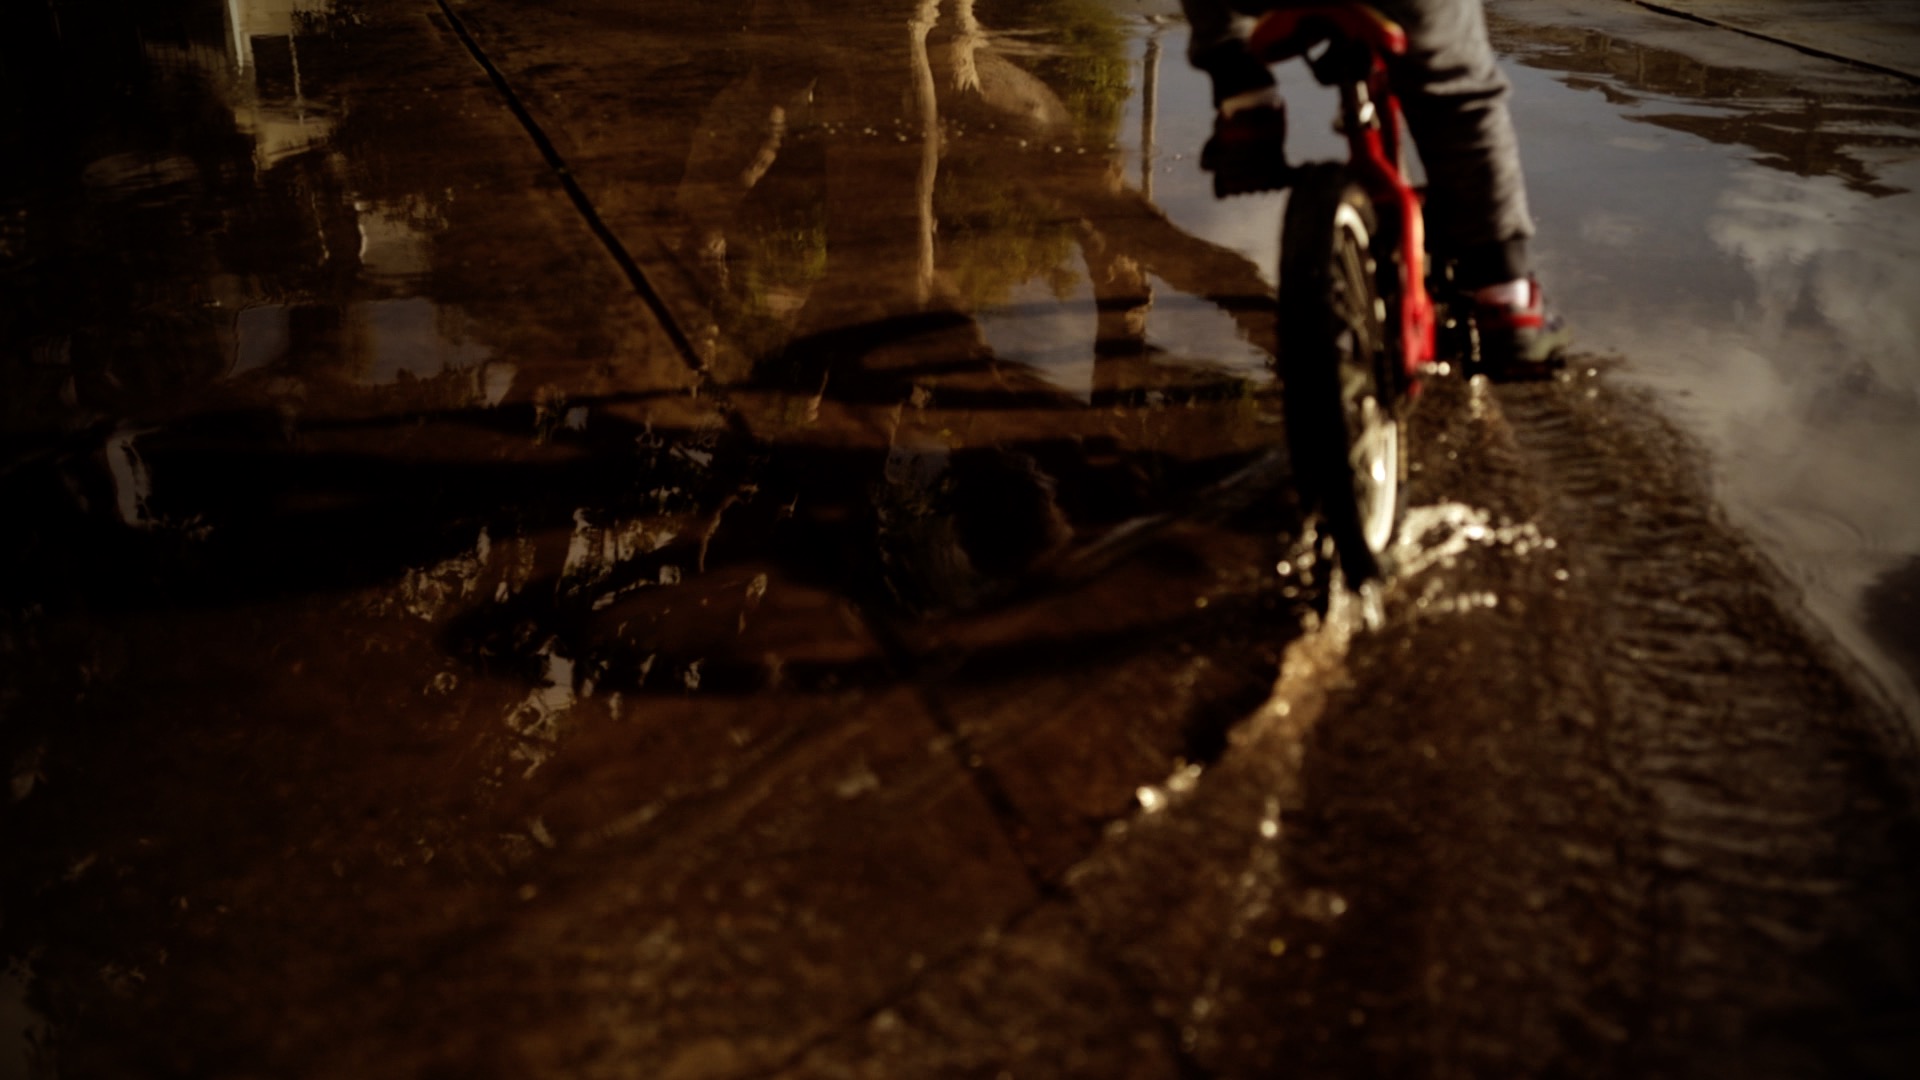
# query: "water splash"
{"points": [[426, 592], [537, 720], [132, 483], [1436, 536], [1154, 798]]}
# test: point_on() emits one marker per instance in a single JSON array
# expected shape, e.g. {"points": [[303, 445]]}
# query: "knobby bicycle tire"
{"points": [[1343, 429]]}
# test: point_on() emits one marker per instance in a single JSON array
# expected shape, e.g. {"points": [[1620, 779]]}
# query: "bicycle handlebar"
{"points": [[1290, 31]]}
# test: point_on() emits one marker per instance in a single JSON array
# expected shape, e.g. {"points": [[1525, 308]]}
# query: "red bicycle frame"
{"points": [[1374, 141]]}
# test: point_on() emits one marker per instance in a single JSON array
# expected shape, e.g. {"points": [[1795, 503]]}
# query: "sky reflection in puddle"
{"points": [[1755, 266]]}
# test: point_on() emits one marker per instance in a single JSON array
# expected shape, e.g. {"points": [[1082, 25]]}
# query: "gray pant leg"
{"points": [[1212, 26], [1455, 98]]}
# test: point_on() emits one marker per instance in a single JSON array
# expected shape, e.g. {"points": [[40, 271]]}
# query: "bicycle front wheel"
{"points": [[1343, 429]]}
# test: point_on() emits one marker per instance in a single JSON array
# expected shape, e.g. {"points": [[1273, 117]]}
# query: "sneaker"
{"points": [[1518, 340], [1248, 150]]}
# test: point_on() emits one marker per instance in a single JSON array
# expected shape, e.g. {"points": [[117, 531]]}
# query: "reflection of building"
{"points": [[352, 306], [272, 105], [187, 201]]}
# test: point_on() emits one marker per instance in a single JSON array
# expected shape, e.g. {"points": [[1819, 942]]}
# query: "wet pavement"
{"points": [[579, 540]]}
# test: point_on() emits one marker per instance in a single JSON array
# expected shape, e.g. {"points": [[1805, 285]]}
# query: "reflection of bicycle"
{"points": [[1358, 325]]}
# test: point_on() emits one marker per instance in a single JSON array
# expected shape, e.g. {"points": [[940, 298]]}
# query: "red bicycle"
{"points": [[1359, 327]]}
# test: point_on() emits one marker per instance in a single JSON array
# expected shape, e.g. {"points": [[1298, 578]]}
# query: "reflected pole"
{"points": [[242, 42], [1149, 107], [918, 29]]}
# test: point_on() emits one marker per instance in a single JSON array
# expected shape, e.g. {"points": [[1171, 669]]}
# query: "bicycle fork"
{"points": [[1378, 157]]}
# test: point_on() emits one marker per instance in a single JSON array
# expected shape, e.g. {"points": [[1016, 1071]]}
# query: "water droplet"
{"points": [[1184, 778], [1373, 609], [537, 828], [858, 782]]}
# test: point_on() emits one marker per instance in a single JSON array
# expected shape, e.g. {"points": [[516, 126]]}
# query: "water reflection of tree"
{"points": [[1085, 58], [1025, 122], [997, 237]]}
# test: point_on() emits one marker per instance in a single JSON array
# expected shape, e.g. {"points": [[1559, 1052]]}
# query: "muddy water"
{"points": [[395, 559], [581, 541], [1741, 224]]}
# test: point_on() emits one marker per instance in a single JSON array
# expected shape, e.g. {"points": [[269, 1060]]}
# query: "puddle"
{"points": [[1749, 243], [606, 645], [224, 234]]}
